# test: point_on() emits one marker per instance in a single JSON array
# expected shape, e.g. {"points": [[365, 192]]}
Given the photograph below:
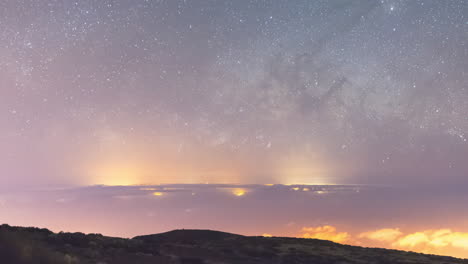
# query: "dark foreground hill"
{"points": [[33, 245]]}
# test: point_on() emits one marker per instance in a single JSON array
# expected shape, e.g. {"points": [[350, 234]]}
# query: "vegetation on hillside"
{"points": [[20, 245]]}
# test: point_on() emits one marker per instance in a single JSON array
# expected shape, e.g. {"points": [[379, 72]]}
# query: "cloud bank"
{"points": [[434, 241]]}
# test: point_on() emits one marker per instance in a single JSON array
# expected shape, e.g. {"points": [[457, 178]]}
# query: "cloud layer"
{"points": [[436, 241]]}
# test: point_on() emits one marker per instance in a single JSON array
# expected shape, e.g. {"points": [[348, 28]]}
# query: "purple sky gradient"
{"points": [[147, 92]]}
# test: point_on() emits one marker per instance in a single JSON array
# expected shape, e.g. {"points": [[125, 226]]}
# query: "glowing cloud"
{"points": [[326, 233], [440, 241], [412, 240], [435, 238], [382, 235]]}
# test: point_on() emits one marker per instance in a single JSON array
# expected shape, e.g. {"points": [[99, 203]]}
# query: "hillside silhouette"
{"points": [[20, 245]]}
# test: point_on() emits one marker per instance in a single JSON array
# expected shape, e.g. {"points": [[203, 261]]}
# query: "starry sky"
{"points": [[129, 92]]}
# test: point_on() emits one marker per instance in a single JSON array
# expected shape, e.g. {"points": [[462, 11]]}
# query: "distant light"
{"points": [[295, 189], [239, 192], [267, 235], [158, 194], [306, 189]]}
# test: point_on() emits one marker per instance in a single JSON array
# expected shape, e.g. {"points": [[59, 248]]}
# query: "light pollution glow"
{"points": [[125, 168], [239, 192]]}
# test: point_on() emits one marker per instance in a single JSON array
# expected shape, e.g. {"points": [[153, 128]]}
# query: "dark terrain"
{"points": [[33, 245]]}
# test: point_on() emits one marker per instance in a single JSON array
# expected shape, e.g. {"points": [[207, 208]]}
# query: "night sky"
{"points": [[146, 92], [344, 120]]}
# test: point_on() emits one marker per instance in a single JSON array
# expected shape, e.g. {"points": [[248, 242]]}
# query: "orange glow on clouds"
{"points": [[434, 238], [440, 241], [382, 235], [325, 233]]}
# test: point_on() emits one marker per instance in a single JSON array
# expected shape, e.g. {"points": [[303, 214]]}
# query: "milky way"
{"points": [[129, 92]]}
